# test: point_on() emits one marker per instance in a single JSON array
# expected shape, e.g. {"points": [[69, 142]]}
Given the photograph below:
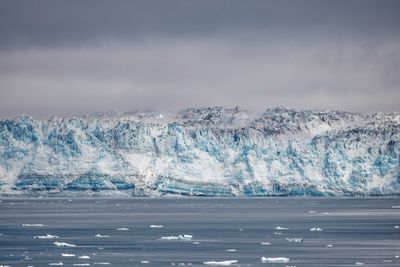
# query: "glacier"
{"points": [[211, 151]]}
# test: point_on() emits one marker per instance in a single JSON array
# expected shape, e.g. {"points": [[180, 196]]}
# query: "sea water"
{"points": [[200, 232]]}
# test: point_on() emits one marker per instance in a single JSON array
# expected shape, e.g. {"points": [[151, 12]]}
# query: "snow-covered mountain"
{"points": [[211, 151]]}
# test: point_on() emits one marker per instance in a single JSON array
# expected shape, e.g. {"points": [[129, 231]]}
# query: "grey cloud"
{"points": [[170, 74]]}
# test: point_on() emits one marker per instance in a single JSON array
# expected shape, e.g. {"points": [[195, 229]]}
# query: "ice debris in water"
{"points": [[265, 243], [56, 263], [281, 228], [329, 245], [277, 233], [274, 260], [230, 250], [63, 244], [67, 255], [47, 236], [179, 237], [101, 236], [84, 257], [314, 229], [156, 226], [396, 226], [359, 263], [33, 225], [81, 264], [102, 263], [144, 262], [220, 263], [123, 229], [294, 239], [396, 207]]}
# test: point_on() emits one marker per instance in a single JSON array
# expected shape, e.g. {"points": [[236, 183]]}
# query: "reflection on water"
{"points": [[197, 231]]}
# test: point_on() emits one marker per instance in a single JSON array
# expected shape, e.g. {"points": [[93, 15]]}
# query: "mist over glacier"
{"points": [[203, 151]]}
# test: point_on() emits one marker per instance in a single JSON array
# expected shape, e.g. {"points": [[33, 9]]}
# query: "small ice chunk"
{"points": [[274, 260], [196, 243], [265, 243], [294, 239], [230, 250], [101, 236], [396, 207], [144, 262], [63, 244], [102, 263], [220, 263], [312, 211], [81, 264], [316, 229], [359, 263], [277, 233], [281, 228], [179, 237], [123, 229], [56, 263], [33, 225], [47, 236], [329, 245], [156, 226], [84, 257], [68, 255], [396, 226]]}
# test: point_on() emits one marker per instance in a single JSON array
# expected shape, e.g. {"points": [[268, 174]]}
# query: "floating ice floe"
{"points": [[68, 255], [179, 237], [277, 233], [220, 263], [81, 264], [397, 227], [281, 228], [144, 262], [101, 236], [156, 226], [122, 229], [396, 207], [316, 229], [56, 263], [230, 250], [329, 245], [359, 263], [33, 225], [312, 211], [84, 257], [265, 243], [47, 236], [294, 239], [274, 260], [101, 263], [63, 244], [5, 266]]}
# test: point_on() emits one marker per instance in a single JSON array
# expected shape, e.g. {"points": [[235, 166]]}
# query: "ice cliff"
{"points": [[210, 151]]}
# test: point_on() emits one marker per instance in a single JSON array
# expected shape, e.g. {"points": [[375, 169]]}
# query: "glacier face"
{"points": [[212, 151]]}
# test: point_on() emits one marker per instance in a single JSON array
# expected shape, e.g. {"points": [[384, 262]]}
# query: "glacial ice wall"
{"points": [[211, 151]]}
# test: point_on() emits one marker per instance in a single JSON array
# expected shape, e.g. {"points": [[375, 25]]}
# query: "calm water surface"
{"points": [[355, 232]]}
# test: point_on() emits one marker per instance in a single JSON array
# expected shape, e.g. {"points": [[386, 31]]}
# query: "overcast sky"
{"points": [[74, 57]]}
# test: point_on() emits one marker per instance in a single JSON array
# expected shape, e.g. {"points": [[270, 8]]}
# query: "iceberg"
{"points": [[47, 236], [294, 240], [316, 229], [220, 263], [63, 244], [275, 260], [179, 237], [212, 151]]}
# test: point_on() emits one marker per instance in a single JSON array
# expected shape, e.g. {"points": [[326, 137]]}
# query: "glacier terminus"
{"points": [[203, 152]]}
